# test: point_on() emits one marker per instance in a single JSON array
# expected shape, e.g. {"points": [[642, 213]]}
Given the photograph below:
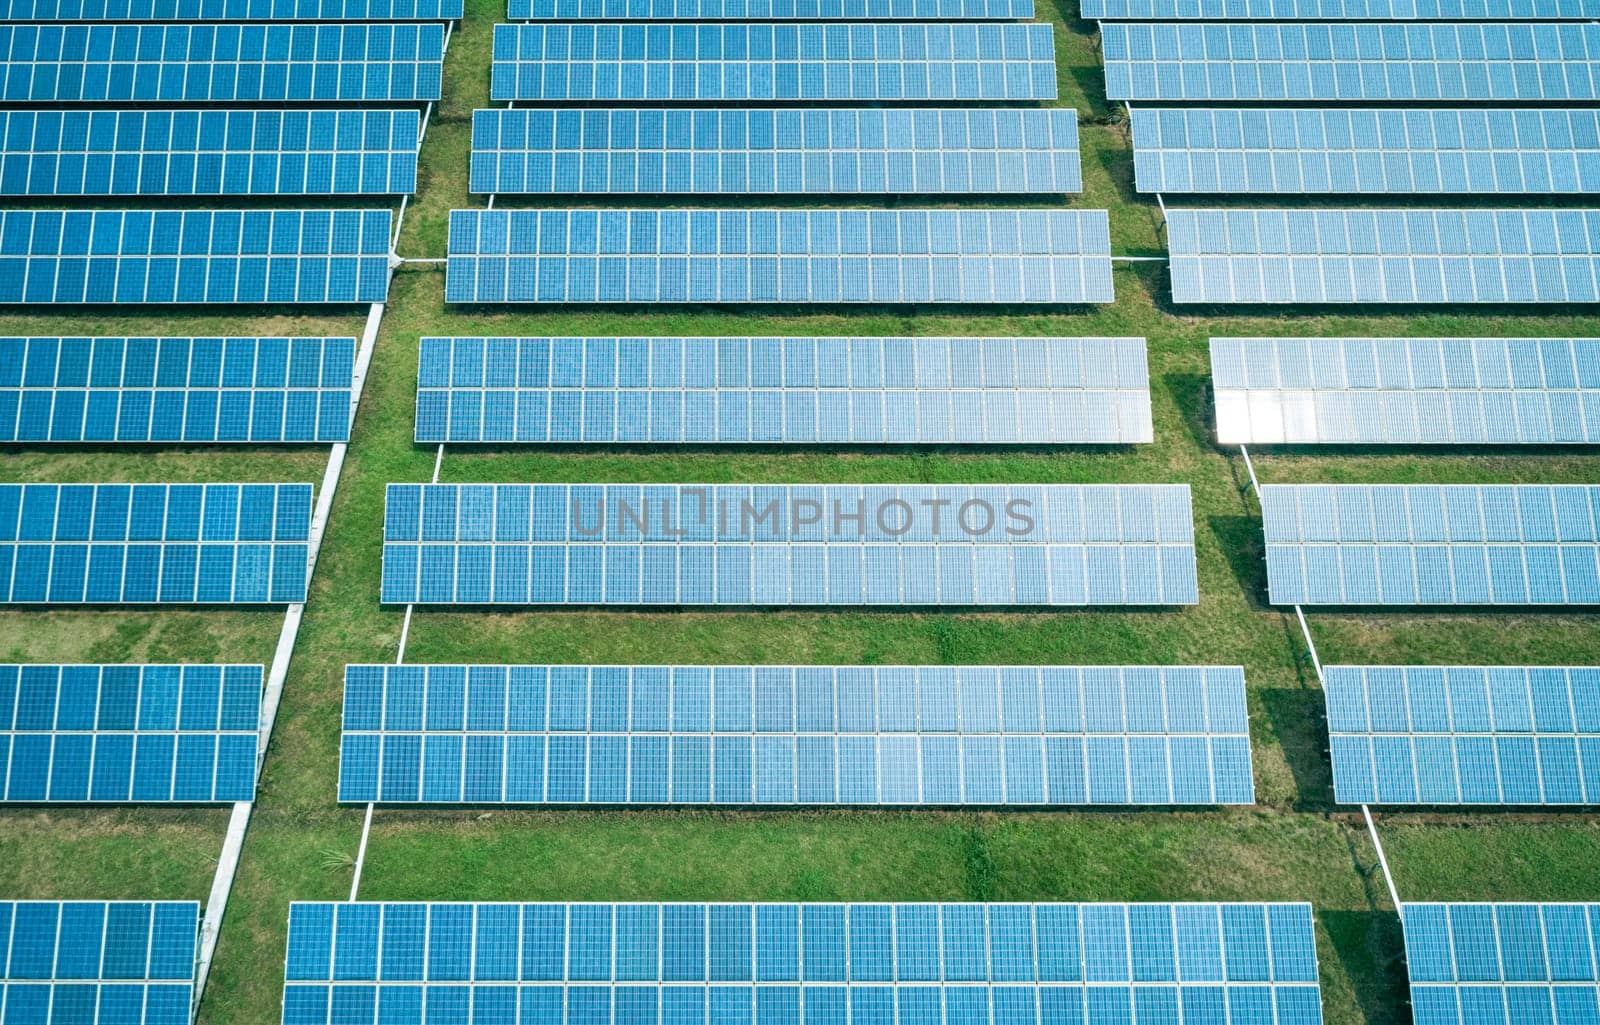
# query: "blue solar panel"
{"points": [[154, 543], [1384, 256], [1335, 10], [198, 390], [1464, 735], [779, 256], [128, 733], [735, 544], [208, 152], [1319, 61], [762, 10], [783, 390], [1416, 544], [872, 964], [214, 63], [98, 962], [194, 256], [795, 735], [790, 151], [231, 10], [889, 61]]}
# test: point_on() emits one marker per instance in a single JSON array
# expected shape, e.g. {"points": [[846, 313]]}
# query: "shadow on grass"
{"points": [[1299, 722], [1370, 948], [1239, 538], [1192, 395]]}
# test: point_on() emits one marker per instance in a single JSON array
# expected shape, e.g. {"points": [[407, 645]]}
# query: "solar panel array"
{"points": [[1416, 544], [199, 390], [124, 962], [118, 733], [232, 10], [763, 10], [734, 544], [1384, 256], [1448, 735], [1337, 10], [154, 543], [1394, 391], [790, 151], [888, 61], [784, 390]]}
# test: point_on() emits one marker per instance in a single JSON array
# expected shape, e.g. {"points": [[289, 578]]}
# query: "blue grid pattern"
{"points": [[1473, 963], [784, 390], [194, 256], [1384, 256], [788, 544], [779, 256], [887, 61], [101, 962], [119, 733], [1319, 61], [232, 10], [790, 151], [1417, 544], [763, 10], [1406, 391], [786, 735], [197, 390], [1337, 10], [1447, 735], [214, 63], [208, 152], [1393, 151], [694, 964], [154, 543]]}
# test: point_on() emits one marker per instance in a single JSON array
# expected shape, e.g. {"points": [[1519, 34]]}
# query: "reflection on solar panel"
{"points": [[773, 256], [736, 544], [1416, 544], [123, 962], [692, 963], [777, 390], [762, 10], [193, 256], [220, 63], [232, 10], [1517, 735], [208, 152], [154, 543], [1392, 391], [128, 733], [1311, 61], [1384, 256], [817, 151], [1334, 10], [175, 389], [765, 61]]}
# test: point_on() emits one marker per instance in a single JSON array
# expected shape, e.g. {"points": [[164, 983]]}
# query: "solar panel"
{"points": [[98, 962], [154, 543], [199, 390], [1418, 544], [762, 10], [1497, 61], [888, 61], [783, 390], [1384, 256], [194, 256], [1406, 391], [208, 152], [779, 256], [232, 10], [1334, 10], [790, 151], [215, 63], [119, 733], [1464, 735], [788, 544]]}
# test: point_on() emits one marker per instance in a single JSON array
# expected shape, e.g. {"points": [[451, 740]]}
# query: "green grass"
{"points": [[1294, 845]]}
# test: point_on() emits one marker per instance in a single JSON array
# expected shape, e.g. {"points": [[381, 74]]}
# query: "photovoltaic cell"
{"points": [[128, 733], [762, 151], [788, 544], [1416, 544], [176, 389], [779, 256], [1384, 256], [1406, 391], [232, 10], [1336, 10], [1464, 735], [888, 61], [154, 543], [784, 390], [763, 10]]}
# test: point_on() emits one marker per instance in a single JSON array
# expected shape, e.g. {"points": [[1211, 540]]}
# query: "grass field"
{"points": [[1294, 845]]}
